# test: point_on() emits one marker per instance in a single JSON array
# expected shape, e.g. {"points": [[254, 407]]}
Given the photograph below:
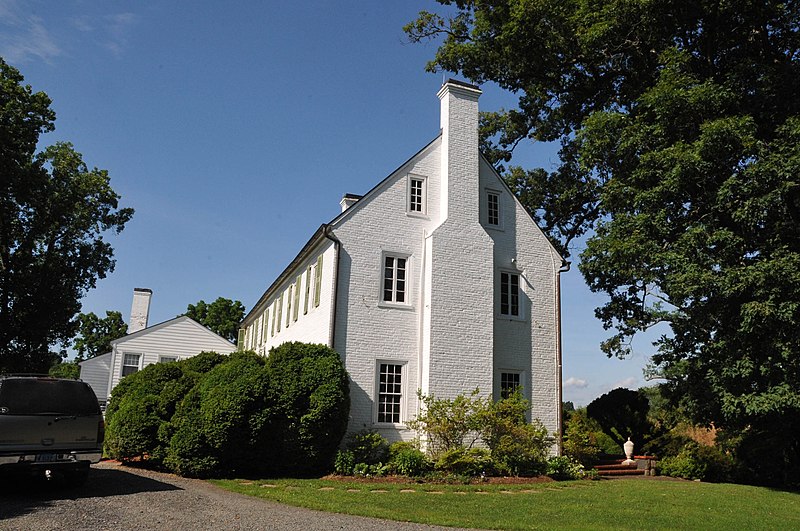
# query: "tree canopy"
{"points": [[680, 162], [95, 334], [221, 316], [54, 214]]}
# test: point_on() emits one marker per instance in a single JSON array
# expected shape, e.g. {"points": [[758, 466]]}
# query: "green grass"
{"points": [[621, 504]]}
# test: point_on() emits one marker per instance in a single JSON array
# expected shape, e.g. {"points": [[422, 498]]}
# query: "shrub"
{"points": [[466, 462], [220, 427], [407, 459], [309, 400], [368, 447], [580, 441], [707, 463], [517, 447], [450, 424], [562, 467], [345, 463]]}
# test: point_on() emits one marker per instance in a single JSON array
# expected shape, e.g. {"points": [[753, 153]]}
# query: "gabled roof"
{"points": [[95, 358], [171, 322], [323, 232]]}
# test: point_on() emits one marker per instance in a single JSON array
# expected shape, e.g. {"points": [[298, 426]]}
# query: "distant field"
{"points": [[603, 504]]}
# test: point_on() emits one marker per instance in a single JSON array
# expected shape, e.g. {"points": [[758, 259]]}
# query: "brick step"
{"points": [[616, 466], [621, 472]]}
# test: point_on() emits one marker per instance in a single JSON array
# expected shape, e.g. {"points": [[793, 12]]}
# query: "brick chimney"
{"points": [[140, 309]]}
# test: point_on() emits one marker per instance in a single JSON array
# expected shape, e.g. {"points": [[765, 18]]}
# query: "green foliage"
{"points": [[407, 459], [680, 133], [563, 467], [450, 424], [309, 394], [368, 447], [95, 334], [54, 214], [345, 463], [453, 426], [470, 462], [221, 316], [223, 427], [707, 463], [580, 439], [65, 369], [622, 413]]}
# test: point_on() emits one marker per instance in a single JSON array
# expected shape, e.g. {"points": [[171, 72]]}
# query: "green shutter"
{"points": [[274, 318], [318, 283], [240, 342], [280, 311], [308, 289], [265, 325], [297, 297], [289, 298]]}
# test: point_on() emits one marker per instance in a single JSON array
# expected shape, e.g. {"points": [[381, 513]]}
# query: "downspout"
{"points": [[327, 231], [563, 269]]}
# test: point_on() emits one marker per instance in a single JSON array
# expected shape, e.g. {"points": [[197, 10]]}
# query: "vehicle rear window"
{"points": [[34, 396]]}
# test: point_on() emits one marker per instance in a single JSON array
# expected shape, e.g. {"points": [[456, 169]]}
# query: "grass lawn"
{"points": [[603, 504]]}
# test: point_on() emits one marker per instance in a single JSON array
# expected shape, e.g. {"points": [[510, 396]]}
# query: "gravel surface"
{"points": [[117, 497]]}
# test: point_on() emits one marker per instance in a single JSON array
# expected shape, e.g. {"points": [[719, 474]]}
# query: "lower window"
{"points": [[130, 363], [509, 383], [390, 392]]}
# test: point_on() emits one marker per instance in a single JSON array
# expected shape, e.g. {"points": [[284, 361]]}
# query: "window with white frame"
{"points": [[416, 194], [509, 383], [167, 359], [509, 294], [389, 403], [130, 363], [395, 279], [492, 208]]}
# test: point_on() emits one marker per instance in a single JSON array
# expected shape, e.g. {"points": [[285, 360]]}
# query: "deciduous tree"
{"points": [[680, 131], [54, 215], [95, 334], [221, 316]]}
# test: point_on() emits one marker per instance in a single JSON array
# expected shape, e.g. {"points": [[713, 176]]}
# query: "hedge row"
{"points": [[243, 414]]}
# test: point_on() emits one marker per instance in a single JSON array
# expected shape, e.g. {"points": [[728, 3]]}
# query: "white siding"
{"points": [[95, 371], [181, 337]]}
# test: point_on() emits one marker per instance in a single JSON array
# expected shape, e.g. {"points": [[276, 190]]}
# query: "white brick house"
{"points": [[436, 279]]}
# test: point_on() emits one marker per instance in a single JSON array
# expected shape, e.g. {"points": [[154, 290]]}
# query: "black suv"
{"points": [[49, 426]]}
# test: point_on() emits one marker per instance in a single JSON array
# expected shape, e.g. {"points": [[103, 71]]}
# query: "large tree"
{"points": [[221, 316], [54, 213], [680, 131], [95, 334]]}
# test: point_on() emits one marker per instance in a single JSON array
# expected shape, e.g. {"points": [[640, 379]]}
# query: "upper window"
{"points": [[493, 208], [130, 363], [395, 279], [416, 194], [509, 383], [390, 392], [509, 294], [167, 359]]}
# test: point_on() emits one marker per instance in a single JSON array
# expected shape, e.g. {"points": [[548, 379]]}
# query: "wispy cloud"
{"points": [[24, 38], [117, 28], [575, 382]]}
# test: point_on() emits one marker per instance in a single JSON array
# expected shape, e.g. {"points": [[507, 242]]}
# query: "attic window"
{"points": [[416, 194], [493, 208]]}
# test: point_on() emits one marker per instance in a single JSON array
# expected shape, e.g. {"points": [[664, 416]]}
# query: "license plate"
{"points": [[46, 458]]}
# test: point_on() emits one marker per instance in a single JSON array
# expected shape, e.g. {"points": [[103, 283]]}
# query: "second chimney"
{"points": [[140, 309]]}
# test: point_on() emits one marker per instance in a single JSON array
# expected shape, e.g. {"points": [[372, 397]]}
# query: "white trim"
{"points": [[407, 303], [489, 192], [423, 212], [403, 393]]}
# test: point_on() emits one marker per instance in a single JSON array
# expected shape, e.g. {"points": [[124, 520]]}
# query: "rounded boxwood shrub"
{"points": [[695, 461], [470, 462], [309, 401], [218, 429]]}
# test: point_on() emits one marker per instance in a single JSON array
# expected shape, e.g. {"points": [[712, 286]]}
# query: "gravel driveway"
{"points": [[117, 497]]}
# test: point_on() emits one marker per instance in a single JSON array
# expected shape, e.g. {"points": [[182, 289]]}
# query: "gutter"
{"points": [[560, 412], [328, 233]]}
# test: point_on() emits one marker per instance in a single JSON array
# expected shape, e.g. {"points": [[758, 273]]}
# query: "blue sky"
{"points": [[234, 128]]}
